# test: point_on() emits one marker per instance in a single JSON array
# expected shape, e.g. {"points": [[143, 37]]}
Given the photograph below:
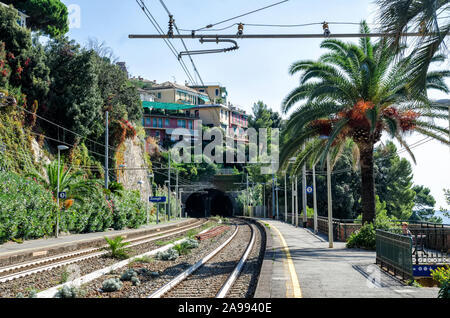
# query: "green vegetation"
{"points": [[27, 209], [70, 292], [48, 16], [168, 255], [116, 247], [112, 285], [357, 92], [442, 276], [143, 259]]}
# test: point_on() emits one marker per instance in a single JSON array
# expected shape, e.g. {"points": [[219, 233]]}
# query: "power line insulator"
{"points": [[240, 29], [171, 21], [326, 30]]}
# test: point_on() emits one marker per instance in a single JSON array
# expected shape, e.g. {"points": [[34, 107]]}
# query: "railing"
{"points": [[394, 251], [431, 245]]}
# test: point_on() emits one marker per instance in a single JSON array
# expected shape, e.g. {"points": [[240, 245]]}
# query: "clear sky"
{"points": [[258, 70]]}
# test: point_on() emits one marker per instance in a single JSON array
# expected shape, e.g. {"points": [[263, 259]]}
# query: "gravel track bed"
{"points": [[245, 284], [47, 279], [208, 279], [167, 271]]}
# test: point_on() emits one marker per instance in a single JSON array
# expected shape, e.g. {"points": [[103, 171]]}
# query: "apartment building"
{"points": [[22, 21], [170, 105]]}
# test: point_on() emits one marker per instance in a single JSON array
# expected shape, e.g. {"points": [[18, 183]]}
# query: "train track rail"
{"points": [[16, 271], [214, 274]]}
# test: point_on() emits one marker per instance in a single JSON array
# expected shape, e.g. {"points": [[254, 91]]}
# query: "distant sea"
{"points": [[445, 220]]}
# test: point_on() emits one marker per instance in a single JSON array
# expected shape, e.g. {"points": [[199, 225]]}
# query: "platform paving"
{"points": [[12, 248], [325, 272]]}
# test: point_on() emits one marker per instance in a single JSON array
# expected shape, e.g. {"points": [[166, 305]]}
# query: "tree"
{"points": [[264, 117], [48, 16], [424, 204], [393, 181], [70, 182], [74, 100], [358, 92], [429, 18]]}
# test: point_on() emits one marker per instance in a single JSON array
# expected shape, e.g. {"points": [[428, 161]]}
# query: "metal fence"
{"points": [[394, 252], [431, 245]]}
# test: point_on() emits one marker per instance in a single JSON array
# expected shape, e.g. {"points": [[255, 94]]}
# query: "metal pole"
{"points": [[292, 199], [305, 216], [314, 199], [176, 195], [296, 201], [57, 196], [273, 195], [330, 209], [278, 213], [285, 198], [106, 151], [247, 200], [168, 197], [157, 213], [264, 200], [273, 36]]}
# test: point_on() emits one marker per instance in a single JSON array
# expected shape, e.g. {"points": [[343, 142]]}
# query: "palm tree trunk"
{"points": [[367, 183]]}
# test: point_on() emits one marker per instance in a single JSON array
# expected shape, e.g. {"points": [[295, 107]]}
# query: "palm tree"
{"points": [[358, 92], [72, 183], [429, 17]]}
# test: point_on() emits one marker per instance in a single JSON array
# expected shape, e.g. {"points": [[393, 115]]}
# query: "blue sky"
{"points": [[258, 70]]}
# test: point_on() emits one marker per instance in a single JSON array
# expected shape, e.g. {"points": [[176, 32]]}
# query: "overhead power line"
{"points": [[241, 15], [185, 47], [158, 28]]}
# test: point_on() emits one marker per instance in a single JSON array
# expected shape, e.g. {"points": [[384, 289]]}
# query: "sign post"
{"points": [[157, 200]]}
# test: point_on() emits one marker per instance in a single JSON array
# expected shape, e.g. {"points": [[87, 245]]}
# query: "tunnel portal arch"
{"points": [[209, 202]]}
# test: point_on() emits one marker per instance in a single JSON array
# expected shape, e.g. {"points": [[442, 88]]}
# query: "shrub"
{"points": [[68, 292], [116, 247], [111, 285], [27, 210], [129, 210], [168, 255], [128, 275], [444, 291], [440, 274], [364, 238]]}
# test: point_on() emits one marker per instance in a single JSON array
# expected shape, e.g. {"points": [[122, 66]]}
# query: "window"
{"points": [[217, 92], [155, 122], [157, 134], [190, 124], [159, 95], [181, 123], [167, 124], [148, 122], [160, 122]]}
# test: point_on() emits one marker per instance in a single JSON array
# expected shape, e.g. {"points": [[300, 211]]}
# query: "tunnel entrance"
{"points": [[209, 203]]}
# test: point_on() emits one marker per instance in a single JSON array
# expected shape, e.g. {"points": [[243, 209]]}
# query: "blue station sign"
{"points": [[157, 199]]}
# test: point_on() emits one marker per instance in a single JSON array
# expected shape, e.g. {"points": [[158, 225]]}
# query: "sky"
{"points": [[258, 70]]}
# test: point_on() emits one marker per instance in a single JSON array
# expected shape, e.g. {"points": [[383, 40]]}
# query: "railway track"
{"points": [[20, 270], [215, 274]]}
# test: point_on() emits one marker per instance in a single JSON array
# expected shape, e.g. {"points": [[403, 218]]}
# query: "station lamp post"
{"points": [[60, 147], [330, 202]]}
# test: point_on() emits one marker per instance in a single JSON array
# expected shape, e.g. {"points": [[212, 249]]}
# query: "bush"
{"points": [[442, 276], [129, 210], [444, 291], [128, 275], [364, 238], [27, 209], [111, 285], [68, 292], [168, 255]]}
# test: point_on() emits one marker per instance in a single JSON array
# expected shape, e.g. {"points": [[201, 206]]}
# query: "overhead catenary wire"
{"points": [[158, 28], [185, 47], [241, 15]]}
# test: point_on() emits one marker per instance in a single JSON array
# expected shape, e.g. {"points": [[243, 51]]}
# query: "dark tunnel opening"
{"points": [[209, 203]]}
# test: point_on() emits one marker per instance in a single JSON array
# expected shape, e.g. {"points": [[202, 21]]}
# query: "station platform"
{"points": [[12, 253], [300, 264]]}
